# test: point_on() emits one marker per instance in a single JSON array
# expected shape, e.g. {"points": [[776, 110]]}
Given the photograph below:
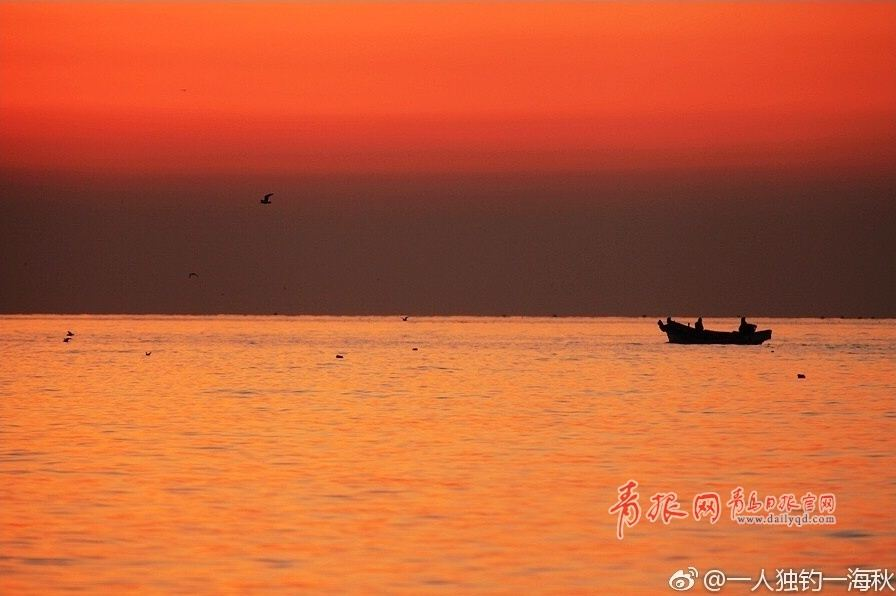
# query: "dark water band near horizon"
{"points": [[238, 454]]}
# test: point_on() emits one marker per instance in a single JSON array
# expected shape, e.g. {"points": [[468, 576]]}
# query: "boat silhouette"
{"points": [[679, 333]]}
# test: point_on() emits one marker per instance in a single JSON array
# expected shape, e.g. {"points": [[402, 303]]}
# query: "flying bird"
{"points": [[148, 353], [193, 274], [267, 199], [65, 340], [404, 318], [69, 334]]}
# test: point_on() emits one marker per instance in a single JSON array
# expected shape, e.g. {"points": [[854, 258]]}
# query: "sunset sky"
{"points": [[448, 157]]}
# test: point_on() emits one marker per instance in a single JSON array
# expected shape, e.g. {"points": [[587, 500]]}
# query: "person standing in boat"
{"points": [[699, 324], [745, 327]]}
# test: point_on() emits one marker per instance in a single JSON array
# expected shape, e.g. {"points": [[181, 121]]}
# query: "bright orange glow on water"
{"points": [[241, 455]]}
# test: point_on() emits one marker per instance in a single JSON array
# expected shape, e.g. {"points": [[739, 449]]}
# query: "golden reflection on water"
{"points": [[242, 456]]}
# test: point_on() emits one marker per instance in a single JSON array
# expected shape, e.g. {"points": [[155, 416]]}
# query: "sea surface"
{"points": [[439, 455]]}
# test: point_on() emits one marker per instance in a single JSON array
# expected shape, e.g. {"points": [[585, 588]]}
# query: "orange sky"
{"points": [[446, 86]]}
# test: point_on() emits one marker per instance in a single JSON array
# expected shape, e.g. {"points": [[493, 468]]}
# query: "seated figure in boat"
{"points": [[745, 327], [699, 324]]}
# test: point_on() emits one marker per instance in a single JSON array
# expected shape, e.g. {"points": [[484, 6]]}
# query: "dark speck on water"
{"points": [[50, 561], [850, 534]]}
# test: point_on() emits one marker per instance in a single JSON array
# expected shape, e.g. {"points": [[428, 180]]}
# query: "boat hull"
{"points": [[683, 334]]}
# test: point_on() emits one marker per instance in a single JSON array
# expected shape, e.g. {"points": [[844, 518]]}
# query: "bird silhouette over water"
{"points": [[404, 318], [69, 334], [193, 274], [65, 340], [267, 199], [148, 353]]}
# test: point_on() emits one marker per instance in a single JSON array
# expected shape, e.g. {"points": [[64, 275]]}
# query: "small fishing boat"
{"points": [[679, 333]]}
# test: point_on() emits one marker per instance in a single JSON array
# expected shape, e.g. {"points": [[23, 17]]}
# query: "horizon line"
{"points": [[4, 314]]}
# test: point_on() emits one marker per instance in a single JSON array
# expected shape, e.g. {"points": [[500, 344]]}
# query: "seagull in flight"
{"points": [[65, 340], [193, 274], [69, 334], [267, 199]]}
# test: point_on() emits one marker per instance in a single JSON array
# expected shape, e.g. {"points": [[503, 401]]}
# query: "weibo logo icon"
{"points": [[682, 581]]}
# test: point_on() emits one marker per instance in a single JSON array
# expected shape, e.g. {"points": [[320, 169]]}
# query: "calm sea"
{"points": [[438, 455]]}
